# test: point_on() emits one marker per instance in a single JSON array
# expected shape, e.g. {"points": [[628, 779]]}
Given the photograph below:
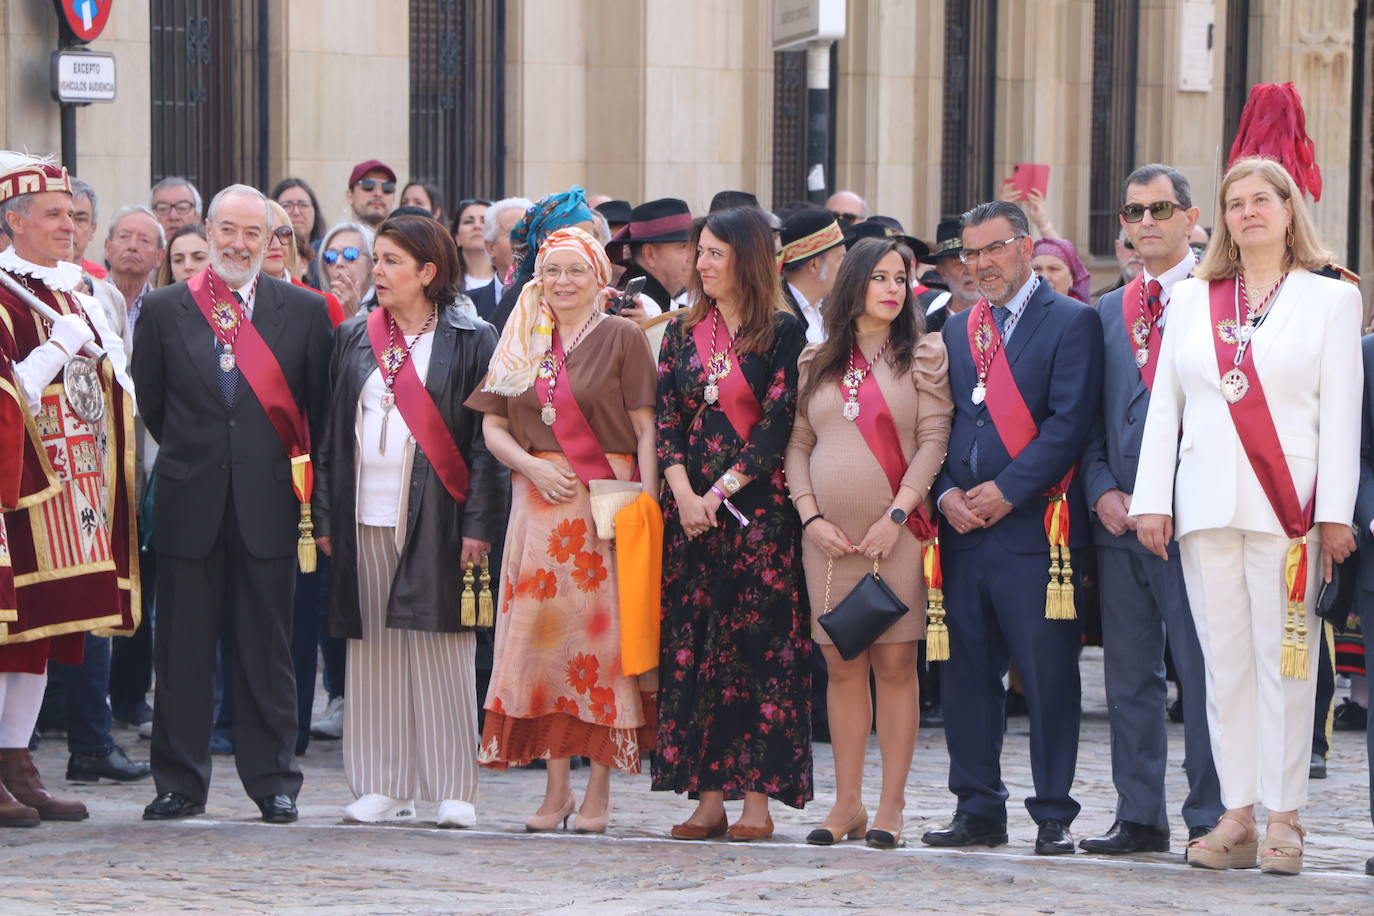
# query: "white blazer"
{"points": [[1307, 354]]}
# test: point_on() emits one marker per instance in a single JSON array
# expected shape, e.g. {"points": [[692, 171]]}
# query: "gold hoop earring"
{"points": [[1290, 235], [1234, 251]]}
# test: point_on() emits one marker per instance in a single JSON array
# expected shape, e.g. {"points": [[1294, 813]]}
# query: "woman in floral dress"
{"points": [[568, 398], [734, 676]]}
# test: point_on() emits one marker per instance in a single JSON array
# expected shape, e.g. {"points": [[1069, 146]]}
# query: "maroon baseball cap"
{"points": [[371, 165]]}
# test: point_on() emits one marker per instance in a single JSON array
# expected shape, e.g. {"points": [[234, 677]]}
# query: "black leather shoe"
{"points": [[1126, 837], [172, 805], [1053, 839], [1349, 717], [1369, 866], [115, 765], [277, 809], [967, 830], [1198, 832], [132, 715], [1316, 769]]}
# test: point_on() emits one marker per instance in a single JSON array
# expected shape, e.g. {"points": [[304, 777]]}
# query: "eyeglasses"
{"points": [[349, 254], [549, 273], [848, 219], [1128, 244], [969, 255], [1159, 210], [296, 206], [284, 234], [367, 184], [162, 208]]}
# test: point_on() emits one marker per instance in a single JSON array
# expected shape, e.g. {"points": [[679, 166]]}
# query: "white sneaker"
{"points": [[330, 724], [146, 729], [456, 814], [374, 808]]}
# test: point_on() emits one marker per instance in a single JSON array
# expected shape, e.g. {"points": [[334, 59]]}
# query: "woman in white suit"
{"points": [[1253, 435]]}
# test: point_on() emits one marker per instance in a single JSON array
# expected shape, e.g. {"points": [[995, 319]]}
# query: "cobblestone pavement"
{"points": [[227, 861]]}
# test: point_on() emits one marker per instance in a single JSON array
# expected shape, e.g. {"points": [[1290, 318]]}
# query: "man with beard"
{"points": [[69, 532], [371, 192], [958, 276], [232, 370]]}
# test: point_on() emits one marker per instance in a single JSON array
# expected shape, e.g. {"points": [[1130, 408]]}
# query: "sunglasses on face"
{"points": [[848, 219], [284, 234], [349, 254], [1159, 210], [367, 184]]}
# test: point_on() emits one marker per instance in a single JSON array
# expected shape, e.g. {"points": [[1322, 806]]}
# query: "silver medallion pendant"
{"points": [[388, 399], [1142, 356], [712, 393], [227, 360], [549, 415], [1245, 332], [850, 411], [81, 384], [1234, 385], [980, 393]]}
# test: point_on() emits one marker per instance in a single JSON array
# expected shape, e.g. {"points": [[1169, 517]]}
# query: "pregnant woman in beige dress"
{"points": [[854, 515]]}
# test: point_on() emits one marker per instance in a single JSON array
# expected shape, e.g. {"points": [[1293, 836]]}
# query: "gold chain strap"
{"points": [[829, 570]]}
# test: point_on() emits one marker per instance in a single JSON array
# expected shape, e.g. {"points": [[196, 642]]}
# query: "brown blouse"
{"points": [[612, 372]]}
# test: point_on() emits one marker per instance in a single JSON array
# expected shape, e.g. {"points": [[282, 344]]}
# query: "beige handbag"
{"points": [[608, 498]]}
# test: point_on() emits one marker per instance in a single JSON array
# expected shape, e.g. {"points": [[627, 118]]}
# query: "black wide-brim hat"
{"points": [[664, 220], [880, 229], [949, 241]]}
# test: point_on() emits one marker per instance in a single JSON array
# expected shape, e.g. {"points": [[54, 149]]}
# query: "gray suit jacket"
{"points": [[1113, 449]]}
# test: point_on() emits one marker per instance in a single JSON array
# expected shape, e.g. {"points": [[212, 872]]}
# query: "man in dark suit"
{"points": [[1364, 521], [1025, 351], [1143, 598], [655, 244], [225, 519]]}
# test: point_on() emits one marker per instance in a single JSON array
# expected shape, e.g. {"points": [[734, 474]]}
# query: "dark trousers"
{"points": [[1326, 690], [1365, 597], [196, 600], [996, 603], [1143, 602], [131, 661], [309, 612], [79, 692]]}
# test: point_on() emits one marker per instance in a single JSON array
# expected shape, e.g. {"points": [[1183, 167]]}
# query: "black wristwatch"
{"points": [[897, 515]]}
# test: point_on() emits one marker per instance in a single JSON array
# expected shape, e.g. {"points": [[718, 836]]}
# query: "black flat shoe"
{"points": [[1369, 866], [1316, 767], [967, 830], [1053, 839], [172, 805], [1126, 837], [882, 839], [277, 809], [116, 765]]}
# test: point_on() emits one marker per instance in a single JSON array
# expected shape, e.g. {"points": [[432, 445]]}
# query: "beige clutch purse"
{"points": [[608, 498]]}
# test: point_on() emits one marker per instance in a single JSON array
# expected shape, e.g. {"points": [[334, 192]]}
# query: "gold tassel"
{"points": [[937, 633], [486, 607], [305, 545], [467, 605], [1052, 589], [1067, 611], [1293, 656]]}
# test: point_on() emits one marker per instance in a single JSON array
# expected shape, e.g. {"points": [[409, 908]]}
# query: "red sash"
{"points": [[1132, 318], [263, 373], [1017, 428], [572, 429], [1254, 423], [737, 399], [421, 415], [879, 430]]}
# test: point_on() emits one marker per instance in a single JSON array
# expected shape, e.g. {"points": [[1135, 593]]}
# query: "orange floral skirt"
{"points": [[557, 687]]}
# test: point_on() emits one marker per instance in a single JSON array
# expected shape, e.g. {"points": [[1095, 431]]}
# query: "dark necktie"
{"points": [[1153, 300], [1000, 316], [229, 381]]}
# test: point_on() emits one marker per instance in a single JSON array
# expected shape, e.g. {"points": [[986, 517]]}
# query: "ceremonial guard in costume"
{"points": [[1025, 368], [233, 368], [1143, 596], [66, 475]]}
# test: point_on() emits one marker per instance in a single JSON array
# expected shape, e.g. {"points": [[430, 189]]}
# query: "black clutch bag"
{"points": [[1336, 599], [864, 614]]}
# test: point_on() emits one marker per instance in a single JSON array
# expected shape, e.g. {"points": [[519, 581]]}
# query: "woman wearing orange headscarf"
{"points": [[569, 398]]}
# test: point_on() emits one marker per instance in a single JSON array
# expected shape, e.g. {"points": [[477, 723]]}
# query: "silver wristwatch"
{"points": [[729, 483]]}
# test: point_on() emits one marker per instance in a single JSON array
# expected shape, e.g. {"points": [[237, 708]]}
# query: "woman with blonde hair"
{"points": [[569, 399], [281, 259], [1251, 458]]}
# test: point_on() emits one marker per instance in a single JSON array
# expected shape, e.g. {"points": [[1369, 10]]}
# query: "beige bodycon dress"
{"points": [[828, 458]]}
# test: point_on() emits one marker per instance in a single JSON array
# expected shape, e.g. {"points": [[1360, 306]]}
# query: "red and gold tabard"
{"points": [[13, 434], [71, 537]]}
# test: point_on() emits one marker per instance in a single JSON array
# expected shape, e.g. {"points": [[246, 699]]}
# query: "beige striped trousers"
{"points": [[410, 720]]}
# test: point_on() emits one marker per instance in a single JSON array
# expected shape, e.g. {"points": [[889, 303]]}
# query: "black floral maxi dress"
{"points": [[734, 706]]}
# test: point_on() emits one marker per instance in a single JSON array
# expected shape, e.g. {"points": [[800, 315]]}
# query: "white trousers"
{"points": [[410, 722], [1260, 721], [21, 696]]}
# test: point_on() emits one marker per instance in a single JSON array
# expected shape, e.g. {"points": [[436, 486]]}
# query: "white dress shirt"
{"points": [[815, 324]]}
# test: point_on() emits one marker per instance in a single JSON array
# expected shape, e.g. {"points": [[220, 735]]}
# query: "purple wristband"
{"points": [[716, 490]]}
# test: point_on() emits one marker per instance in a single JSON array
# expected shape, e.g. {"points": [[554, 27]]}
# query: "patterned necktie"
{"points": [[229, 381], [1153, 302]]}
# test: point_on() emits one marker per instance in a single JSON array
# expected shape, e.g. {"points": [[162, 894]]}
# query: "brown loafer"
{"points": [[688, 831], [744, 832], [21, 779]]}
